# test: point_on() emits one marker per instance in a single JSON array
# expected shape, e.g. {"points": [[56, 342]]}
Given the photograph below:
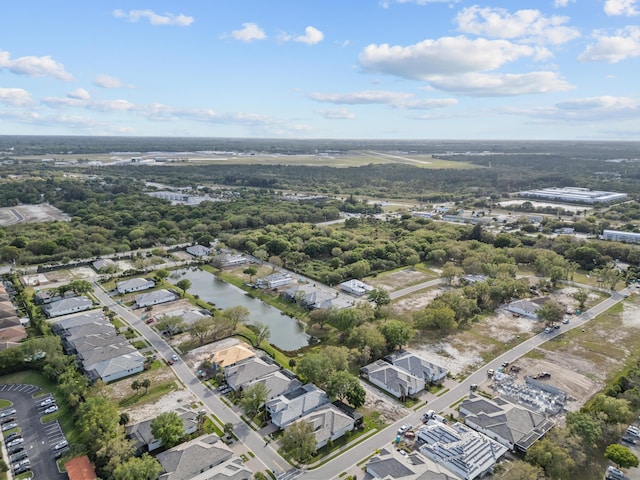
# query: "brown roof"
{"points": [[80, 468], [232, 355], [13, 334]]}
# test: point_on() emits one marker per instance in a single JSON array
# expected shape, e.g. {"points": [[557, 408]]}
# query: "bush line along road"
{"points": [[332, 469]]}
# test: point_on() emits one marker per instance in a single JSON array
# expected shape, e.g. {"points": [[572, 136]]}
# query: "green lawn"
{"points": [[154, 393]]}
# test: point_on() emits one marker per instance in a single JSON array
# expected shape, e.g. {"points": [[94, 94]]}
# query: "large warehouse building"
{"points": [[574, 195]]}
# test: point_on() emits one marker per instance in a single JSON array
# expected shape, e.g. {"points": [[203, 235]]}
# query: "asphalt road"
{"points": [[333, 468], [415, 288]]}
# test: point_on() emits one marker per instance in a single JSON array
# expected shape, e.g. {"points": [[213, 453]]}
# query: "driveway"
{"points": [[39, 437]]}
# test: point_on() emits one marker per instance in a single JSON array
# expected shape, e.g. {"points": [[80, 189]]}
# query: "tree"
{"points": [[621, 456], [135, 385], [396, 333], [76, 286], [556, 461], [250, 271], [451, 271], [581, 297], [315, 368], [263, 332], [346, 387], [124, 418], [167, 427], [138, 468], [228, 429], [379, 296], [171, 324], [585, 426], [202, 328], [520, 470], [299, 442], [184, 285], [145, 383], [237, 314], [441, 318], [616, 410], [552, 311], [162, 273], [253, 398]]}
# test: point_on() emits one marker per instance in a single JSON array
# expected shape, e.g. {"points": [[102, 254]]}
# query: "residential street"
{"points": [[332, 469]]}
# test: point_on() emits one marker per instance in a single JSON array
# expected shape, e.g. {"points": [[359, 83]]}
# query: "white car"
{"points": [[175, 357], [15, 442], [47, 401], [6, 413], [60, 445], [404, 428], [51, 409], [9, 426]]}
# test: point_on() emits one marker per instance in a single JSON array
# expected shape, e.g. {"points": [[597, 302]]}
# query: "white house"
{"points": [[103, 264], [198, 250], [113, 369], [146, 442], [154, 298], [394, 380], [418, 367], [295, 404], [229, 260], [66, 306], [526, 308], [356, 287], [134, 285], [274, 280], [247, 370]]}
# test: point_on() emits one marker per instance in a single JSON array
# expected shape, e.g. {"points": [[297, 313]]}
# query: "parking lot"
{"points": [[36, 441]]}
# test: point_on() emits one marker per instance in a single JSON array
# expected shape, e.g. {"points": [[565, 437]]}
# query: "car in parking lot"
{"points": [[59, 453], [60, 445], [15, 441], [19, 456], [11, 436], [47, 401], [6, 413], [15, 449], [51, 409], [22, 469], [629, 440], [9, 426], [8, 419]]}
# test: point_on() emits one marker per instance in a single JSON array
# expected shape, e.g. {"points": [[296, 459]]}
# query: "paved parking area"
{"points": [[39, 438]]}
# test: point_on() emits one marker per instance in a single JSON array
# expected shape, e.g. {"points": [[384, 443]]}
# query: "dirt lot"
{"points": [[31, 214], [400, 279]]}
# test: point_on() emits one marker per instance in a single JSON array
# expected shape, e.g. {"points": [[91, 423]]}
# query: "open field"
{"points": [[42, 212]]}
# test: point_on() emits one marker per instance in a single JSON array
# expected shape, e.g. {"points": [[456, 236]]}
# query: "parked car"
{"points": [[473, 386], [547, 330], [14, 442], [6, 413], [15, 449], [60, 445], [175, 357], [7, 420], [629, 440], [9, 426], [47, 401], [404, 428], [51, 409], [22, 469], [491, 372], [19, 456], [11, 436], [565, 321]]}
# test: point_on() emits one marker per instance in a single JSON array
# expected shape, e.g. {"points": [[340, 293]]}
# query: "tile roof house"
{"points": [[295, 404], [146, 442], [204, 458], [418, 367], [461, 450], [231, 355], [12, 336], [356, 287], [80, 468], [66, 306], [395, 380], [134, 285], [329, 423], [248, 370], [154, 298], [514, 426]]}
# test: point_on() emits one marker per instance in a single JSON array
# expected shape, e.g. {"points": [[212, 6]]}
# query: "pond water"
{"points": [[286, 332]]}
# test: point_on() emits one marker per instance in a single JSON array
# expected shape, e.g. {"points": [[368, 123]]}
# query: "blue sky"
{"points": [[388, 69]]}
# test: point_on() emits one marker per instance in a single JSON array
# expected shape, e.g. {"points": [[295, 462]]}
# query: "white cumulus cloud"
{"points": [[444, 56], [248, 33], [366, 97], [15, 96], [621, 7], [79, 94], [527, 25], [311, 36], [624, 44], [562, 3], [107, 81], [155, 19], [336, 114], [387, 3], [34, 66], [493, 85]]}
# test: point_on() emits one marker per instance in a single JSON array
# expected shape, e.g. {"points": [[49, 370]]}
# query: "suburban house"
{"points": [[295, 404], [11, 329], [113, 369], [103, 264], [67, 306], [198, 250], [527, 308], [154, 298], [356, 287], [203, 458], [276, 383], [134, 285], [461, 450], [146, 442], [44, 297], [80, 468], [274, 280], [394, 380], [309, 296], [189, 317], [329, 423], [514, 426], [418, 367], [391, 464], [231, 355], [228, 260], [248, 370]]}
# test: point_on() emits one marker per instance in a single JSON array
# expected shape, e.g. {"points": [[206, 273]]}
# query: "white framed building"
{"points": [[356, 287], [274, 280], [134, 285], [620, 236], [66, 306], [574, 195], [154, 298]]}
